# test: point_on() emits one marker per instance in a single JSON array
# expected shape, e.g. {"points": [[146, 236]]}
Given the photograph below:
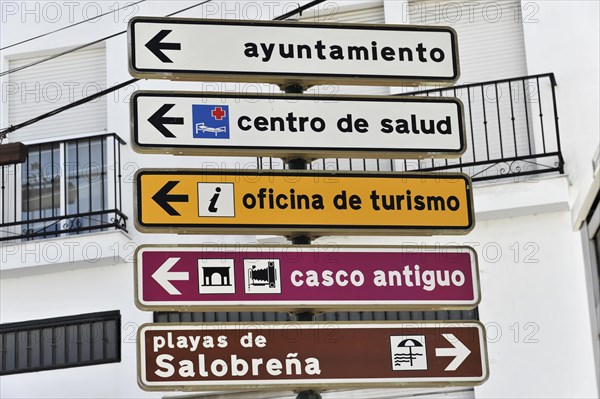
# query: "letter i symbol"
{"points": [[213, 201]]}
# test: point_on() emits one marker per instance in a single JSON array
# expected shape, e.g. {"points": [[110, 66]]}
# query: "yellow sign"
{"points": [[303, 202]]}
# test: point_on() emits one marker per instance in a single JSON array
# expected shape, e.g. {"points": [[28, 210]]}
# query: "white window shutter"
{"points": [[52, 84], [491, 47], [490, 35], [371, 13]]}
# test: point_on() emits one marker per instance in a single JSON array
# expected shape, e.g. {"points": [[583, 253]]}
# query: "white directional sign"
{"points": [[291, 52], [284, 125]]}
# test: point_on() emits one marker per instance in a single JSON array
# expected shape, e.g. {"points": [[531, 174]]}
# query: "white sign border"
{"points": [[364, 305], [286, 78], [313, 383], [309, 152]]}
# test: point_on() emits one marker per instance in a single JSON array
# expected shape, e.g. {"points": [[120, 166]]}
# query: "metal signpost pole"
{"points": [[184, 201], [301, 164]]}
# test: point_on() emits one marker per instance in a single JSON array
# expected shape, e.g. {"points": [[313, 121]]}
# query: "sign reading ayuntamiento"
{"points": [[291, 52]]}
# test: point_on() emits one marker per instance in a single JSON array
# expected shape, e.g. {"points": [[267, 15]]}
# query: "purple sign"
{"points": [[317, 277]]}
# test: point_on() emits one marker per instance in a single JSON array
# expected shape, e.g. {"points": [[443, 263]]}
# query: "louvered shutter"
{"points": [[491, 47], [490, 35], [364, 13], [47, 86], [372, 13]]}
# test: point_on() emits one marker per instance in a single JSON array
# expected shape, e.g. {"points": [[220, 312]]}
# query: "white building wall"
{"points": [[71, 292], [572, 53], [533, 279], [533, 290]]}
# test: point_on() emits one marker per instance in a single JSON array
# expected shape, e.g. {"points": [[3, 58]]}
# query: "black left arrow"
{"points": [[163, 198], [158, 120], [155, 45]]}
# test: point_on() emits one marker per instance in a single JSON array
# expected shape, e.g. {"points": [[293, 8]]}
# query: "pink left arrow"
{"points": [[163, 276]]}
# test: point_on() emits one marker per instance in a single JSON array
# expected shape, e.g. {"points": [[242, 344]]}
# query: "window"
{"points": [[63, 188], [490, 35], [72, 341], [84, 184], [40, 186], [47, 86], [591, 239], [596, 244], [371, 13]]}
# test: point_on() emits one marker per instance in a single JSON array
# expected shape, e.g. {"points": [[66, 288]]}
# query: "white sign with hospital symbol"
{"points": [[285, 125]]}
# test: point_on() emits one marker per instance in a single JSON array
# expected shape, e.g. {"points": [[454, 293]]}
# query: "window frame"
{"points": [[104, 173]]}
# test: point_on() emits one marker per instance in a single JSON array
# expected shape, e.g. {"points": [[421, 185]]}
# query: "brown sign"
{"points": [[312, 354]]}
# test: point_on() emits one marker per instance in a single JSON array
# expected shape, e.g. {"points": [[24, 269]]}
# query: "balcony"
{"points": [[511, 130], [63, 188], [73, 187]]}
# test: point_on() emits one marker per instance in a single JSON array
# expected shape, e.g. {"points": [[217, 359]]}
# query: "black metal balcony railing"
{"points": [[63, 188], [74, 186], [511, 128]]}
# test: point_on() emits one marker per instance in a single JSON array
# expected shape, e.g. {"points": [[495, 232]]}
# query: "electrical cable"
{"points": [[298, 10], [74, 104], [91, 43], [71, 25], [109, 90]]}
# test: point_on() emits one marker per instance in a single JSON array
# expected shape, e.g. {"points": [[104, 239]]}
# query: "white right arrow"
{"points": [[459, 351], [164, 276]]}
